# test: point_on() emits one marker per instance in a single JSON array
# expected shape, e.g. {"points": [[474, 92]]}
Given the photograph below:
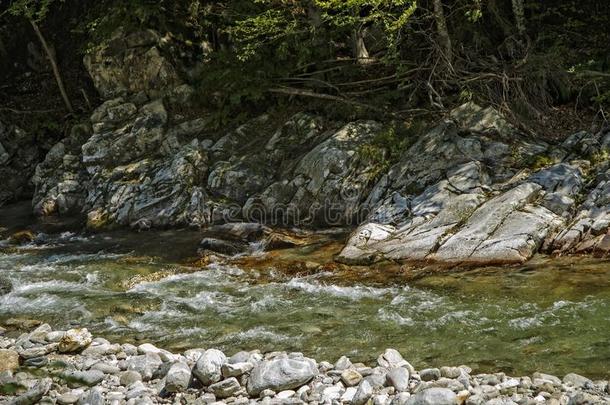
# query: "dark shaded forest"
{"points": [[546, 63]]}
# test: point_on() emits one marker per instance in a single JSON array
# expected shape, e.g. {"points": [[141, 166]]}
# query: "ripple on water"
{"points": [[260, 334], [347, 292]]}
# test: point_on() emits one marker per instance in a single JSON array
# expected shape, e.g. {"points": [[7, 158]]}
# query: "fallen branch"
{"points": [[290, 91], [12, 110], [54, 66]]}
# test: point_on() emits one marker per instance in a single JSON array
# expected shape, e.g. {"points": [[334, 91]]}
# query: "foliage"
{"points": [[307, 48], [35, 10]]}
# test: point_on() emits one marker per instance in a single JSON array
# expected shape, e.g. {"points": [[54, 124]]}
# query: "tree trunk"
{"points": [[441, 28], [519, 13], [361, 54], [54, 66]]}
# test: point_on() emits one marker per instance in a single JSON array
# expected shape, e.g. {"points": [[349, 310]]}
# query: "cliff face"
{"points": [[463, 192]]}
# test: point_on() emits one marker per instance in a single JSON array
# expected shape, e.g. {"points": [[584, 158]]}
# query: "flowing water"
{"points": [[550, 315]]}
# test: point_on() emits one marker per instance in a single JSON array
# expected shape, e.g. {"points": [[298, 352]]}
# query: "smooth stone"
{"points": [[450, 372], [547, 377], [377, 378], [281, 374], [225, 388], [392, 358], [106, 368], [39, 335], [267, 393], [576, 380], [363, 393], [88, 378], [381, 399], [351, 377], [67, 399], [343, 363], [145, 364], [35, 394], [508, 384], [33, 352], [236, 369], [401, 398], [208, 368], [178, 378], [348, 395], [129, 377], [398, 377], [433, 396], [9, 360], [430, 374], [36, 362], [285, 394], [94, 397], [74, 340], [55, 336]]}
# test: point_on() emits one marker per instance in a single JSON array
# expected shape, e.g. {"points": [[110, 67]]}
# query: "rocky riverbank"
{"points": [[471, 188], [71, 367]]}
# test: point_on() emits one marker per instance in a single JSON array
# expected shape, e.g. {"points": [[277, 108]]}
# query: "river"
{"points": [[550, 315]]}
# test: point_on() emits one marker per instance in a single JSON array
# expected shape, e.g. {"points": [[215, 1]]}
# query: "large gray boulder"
{"points": [[281, 374], [209, 366]]}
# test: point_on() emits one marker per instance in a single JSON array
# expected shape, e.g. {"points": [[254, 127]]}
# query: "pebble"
{"points": [[104, 373], [129, 377], [430, 374]]}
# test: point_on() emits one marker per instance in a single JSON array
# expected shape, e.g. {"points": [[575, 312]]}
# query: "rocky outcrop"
{"points": [[472, 189], [477, 200]]}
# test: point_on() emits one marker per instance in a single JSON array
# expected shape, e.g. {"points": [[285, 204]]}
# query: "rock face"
{"points": [[468, 190], [480, 202]]}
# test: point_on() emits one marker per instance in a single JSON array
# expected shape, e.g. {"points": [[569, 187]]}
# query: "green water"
{"points": [[551, 315]]}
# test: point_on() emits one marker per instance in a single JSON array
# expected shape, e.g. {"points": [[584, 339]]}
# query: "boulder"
{"points": [[208, 368], [178, 378]]}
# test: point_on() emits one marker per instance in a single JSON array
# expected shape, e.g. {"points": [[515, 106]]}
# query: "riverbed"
{"points": [[552, 314]]}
